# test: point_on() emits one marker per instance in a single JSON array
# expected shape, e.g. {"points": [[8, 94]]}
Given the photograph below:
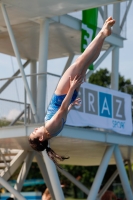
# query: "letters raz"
{"points": [[104, 105]]}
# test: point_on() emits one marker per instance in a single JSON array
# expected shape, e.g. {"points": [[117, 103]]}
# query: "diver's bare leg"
{"points": [[80, 66]]}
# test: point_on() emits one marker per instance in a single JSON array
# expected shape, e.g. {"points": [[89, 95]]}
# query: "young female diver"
{"points": [[66, 93]]}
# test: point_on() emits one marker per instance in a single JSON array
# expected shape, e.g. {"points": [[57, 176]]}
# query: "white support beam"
{"points": [[42, 79], [100, 173], [99, 61], [116, 16], [106, 137], [18, 117], [115, 69], [33, 84], [53, 176], [115, 52], [75, 23], [15, 74], [94, 135], [24, 171], [75, 181], [69, 62], [68, 20], [11, 189], [101, 12], [109, 182], [105, 13], [122, 173], [14, 45], [125, 14], [14, 164], [43, 169], [2, 157], [28, 75]]}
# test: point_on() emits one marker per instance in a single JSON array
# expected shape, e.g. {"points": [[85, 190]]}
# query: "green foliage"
{"points": [[4, 122], [34, 172], [84, 174], [102, 78], [125, 85]]}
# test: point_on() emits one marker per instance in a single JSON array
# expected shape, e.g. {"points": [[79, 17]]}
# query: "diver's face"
{"points": [[37, 133]]}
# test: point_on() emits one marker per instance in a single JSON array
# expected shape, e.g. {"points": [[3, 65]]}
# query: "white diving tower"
{"points": [[38, 31]]}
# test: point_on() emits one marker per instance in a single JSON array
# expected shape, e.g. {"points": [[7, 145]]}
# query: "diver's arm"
{"points": [[75, 83]]}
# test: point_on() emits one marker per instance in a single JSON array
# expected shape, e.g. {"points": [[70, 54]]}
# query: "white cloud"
{"points": [[12, 114]]}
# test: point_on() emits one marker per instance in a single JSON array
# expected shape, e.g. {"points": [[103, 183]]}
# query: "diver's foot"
{"points": [[106, 29]]}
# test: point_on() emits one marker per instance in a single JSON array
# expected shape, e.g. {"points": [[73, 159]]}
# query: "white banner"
{"points": [[103, 108]]}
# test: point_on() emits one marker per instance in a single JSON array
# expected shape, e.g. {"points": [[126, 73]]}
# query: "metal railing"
{"points": [[22, 116]]}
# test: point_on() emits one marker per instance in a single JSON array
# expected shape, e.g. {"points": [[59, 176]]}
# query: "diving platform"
{"points": [[85, 146]]}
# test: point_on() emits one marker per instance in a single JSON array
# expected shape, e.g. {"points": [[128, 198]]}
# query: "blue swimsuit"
{"points": [[54, 106]]}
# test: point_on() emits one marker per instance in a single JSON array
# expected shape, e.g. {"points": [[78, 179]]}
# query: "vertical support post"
{"points": [[100, 173], [116, 16], [14, 45], [105, 13], [122, 173], [115, 69], [115, 52], [53, 176], [25, 107], [33, 83], [42, 79]]}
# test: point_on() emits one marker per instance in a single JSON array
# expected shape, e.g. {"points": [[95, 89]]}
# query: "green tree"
{"points": [[4, 122], [85, 174], [102, 78]]}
